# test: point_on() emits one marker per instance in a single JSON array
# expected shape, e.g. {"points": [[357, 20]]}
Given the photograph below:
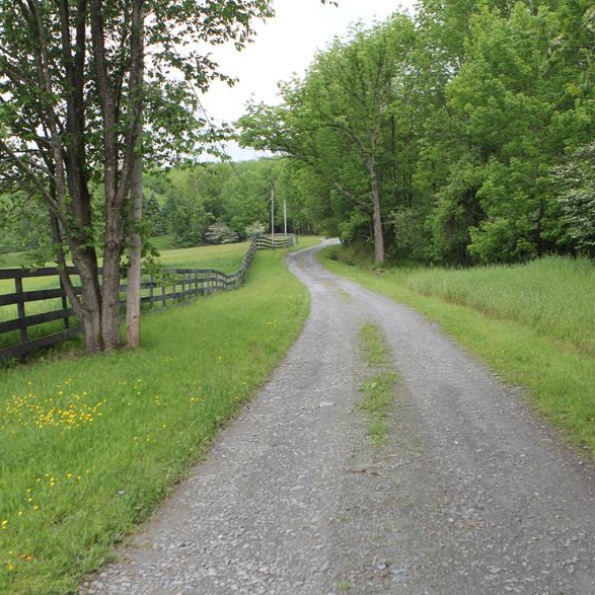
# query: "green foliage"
{"points": [[483, 103], [354, 227], [576, 178], [408, 230], [338, 125], [187, 222], [192, 200], [153, 215]]}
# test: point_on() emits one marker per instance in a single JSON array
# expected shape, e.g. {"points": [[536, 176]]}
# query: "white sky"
{"points": [[284, 45]]}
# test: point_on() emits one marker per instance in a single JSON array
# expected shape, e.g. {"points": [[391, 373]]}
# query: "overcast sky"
{"points": [[285, 45]]}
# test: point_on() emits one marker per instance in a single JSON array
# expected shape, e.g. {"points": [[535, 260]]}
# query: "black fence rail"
{"points": [[17, 330], [53, 320]]}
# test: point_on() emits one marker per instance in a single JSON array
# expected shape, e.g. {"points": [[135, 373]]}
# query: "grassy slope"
{"points": [[527, 323], [90, 445], [226, 258]]}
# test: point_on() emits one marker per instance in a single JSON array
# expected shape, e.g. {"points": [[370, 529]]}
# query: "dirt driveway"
{"points": [[469, 495]]}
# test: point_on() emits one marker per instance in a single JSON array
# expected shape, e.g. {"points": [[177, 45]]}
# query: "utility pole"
{"points": [[285, 216], [273, 215]]}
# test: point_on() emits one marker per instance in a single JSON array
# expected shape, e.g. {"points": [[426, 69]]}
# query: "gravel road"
{"points": [[470, 494]]}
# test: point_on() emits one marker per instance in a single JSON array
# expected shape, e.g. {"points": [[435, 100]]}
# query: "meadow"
{"points": [[89, 446], [533, 324], [226, 258], [554, 296]]}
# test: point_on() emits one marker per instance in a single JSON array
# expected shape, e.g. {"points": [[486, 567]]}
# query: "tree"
{"points": [[576, 180], [71, 95], [511, 100], [337, 121]]}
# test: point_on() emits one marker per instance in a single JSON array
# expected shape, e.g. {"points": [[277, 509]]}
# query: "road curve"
{"points": [[470, 495]]}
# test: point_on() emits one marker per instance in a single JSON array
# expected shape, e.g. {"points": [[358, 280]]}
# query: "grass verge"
{"points": [[559, 374], [89, 446], [377, 390]]}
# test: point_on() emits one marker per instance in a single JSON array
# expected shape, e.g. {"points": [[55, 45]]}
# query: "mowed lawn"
{"points": [[90, 445]]}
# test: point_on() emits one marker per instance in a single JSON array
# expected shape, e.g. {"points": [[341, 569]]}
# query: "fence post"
{"points": [[64, 304], [18, 286]]}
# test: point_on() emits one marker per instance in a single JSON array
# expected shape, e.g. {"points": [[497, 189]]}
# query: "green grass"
{"points": [[541, 346], [227, 258], [373, 345], [378, 389], [554, 296], [90, 445]]}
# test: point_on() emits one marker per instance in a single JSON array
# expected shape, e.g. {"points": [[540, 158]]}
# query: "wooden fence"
{"points": [[26, 333], [278, 240]]}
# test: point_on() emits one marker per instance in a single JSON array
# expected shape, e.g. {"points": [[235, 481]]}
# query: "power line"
{"points": [[211, 125]]}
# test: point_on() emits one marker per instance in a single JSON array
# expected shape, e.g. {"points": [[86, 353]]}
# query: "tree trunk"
{"points": [[91, 321], [378, 232], [134, 258], [89, 304], [133, 297], [87, 307], [377, 215]]}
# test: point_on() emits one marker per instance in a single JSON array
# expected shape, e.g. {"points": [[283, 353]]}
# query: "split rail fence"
{"points": [[54, 320]]}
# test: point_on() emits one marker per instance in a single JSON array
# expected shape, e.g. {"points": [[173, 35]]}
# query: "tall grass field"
{"points": [[533, 324], [554, 296], [90, 445]]}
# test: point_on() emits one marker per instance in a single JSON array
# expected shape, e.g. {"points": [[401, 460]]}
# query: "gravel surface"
{"points": [[470, 495]]}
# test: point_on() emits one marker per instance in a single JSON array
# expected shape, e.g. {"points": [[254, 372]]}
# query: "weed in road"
{"points": [[377, 390], [374, 347]]}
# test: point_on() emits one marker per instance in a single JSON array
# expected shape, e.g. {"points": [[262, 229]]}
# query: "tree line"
{"points": [[462, 134], [223, 202], [209, 203]]}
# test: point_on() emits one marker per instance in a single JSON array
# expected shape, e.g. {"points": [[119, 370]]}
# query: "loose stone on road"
{"points": [[469, 495]]}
